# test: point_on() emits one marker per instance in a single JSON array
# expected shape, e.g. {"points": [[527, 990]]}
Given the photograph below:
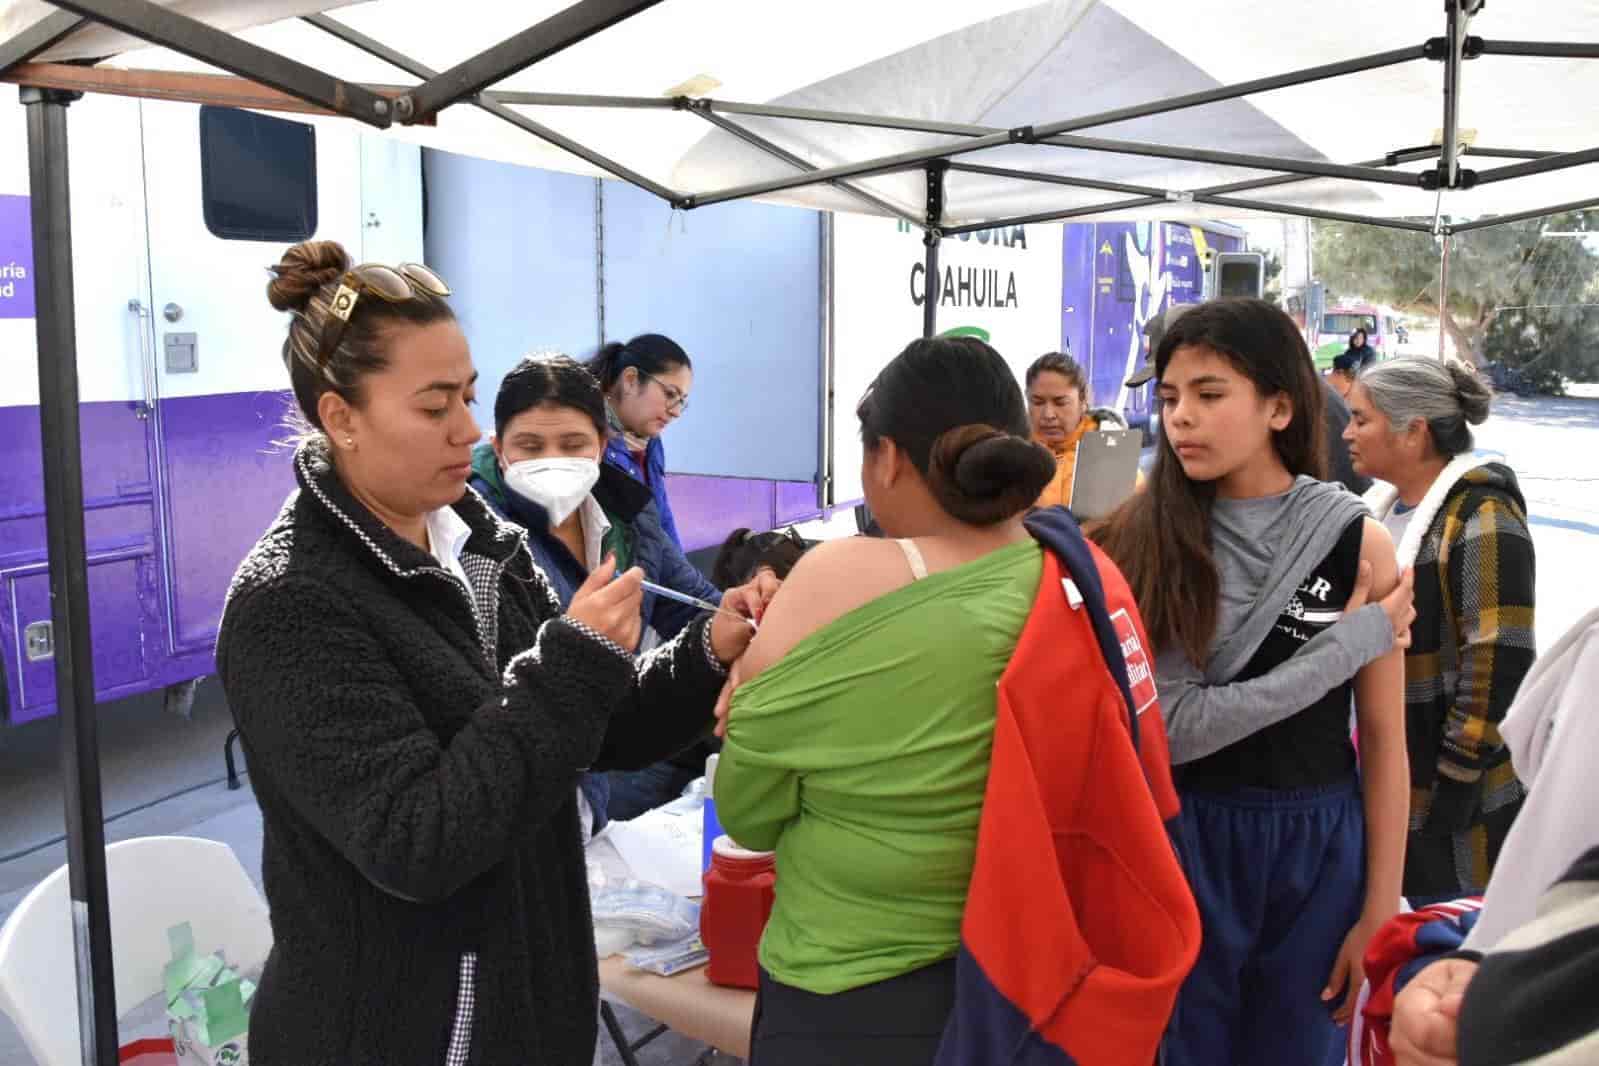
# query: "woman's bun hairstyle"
{"points": [[1447, 396], [303, 271], [305, 283], [1471, 392], [954, 407], [983, 476]]}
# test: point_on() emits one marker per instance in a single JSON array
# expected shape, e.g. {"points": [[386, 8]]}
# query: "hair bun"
{"points": [[1471, 392], [982, 475], [303, 271]]}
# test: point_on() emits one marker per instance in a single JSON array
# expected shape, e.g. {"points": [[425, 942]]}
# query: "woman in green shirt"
{"points": [[859, 737]]}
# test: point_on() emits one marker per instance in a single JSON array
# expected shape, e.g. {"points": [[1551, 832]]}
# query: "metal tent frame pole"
{"points": [[151, 22], [69, 570], [932, 291], [1540, 49], [1148, 196], [776, 151], [1057, 216], [1524, 216], [1443, 292], [1024, 135], [1460, 12], [40, 37], [555, 34], [1307, 76], [1546, 165], [487, 102]]}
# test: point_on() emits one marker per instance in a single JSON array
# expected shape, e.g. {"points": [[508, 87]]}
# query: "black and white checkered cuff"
{"points": [[601, 638], [710, 650]]}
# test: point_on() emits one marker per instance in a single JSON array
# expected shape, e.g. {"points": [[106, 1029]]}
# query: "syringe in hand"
{"points": [[694, 601]]}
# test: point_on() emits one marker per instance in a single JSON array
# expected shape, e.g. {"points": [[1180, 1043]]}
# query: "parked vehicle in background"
{"points": [[1509, 379], [1332, 335]]}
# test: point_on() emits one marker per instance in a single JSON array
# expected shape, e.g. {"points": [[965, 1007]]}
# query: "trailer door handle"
{"points": [[147, 377]]}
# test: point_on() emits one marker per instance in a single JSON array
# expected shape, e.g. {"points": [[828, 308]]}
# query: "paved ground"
{"points": [[1552, 445], [148, 754]]}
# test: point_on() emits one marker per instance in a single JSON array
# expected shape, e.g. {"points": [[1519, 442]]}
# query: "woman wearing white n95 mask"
{"points": [[543, 471]]}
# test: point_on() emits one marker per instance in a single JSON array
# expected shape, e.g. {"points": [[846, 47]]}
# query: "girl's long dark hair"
{"points": [[1160, 538]]}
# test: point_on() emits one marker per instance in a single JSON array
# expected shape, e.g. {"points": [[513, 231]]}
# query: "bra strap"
{"points": [[913, 556]]}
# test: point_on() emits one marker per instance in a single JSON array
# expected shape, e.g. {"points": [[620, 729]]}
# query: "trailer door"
{"points": [[108, 229], [228, 192]]}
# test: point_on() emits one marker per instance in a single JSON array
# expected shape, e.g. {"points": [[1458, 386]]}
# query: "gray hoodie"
{"points": [[1264, 549]]}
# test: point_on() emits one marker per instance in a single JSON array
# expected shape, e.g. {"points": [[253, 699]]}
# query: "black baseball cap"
{"points": [[1155, 329]]}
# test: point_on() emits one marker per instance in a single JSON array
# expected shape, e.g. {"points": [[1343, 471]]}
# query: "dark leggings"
{"points": [[897, 1022]]}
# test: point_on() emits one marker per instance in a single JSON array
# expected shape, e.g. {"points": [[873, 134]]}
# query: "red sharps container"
{"points": [[739, 889]]}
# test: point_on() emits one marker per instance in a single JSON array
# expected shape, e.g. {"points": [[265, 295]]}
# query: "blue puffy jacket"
{"points": [[653, 476]]}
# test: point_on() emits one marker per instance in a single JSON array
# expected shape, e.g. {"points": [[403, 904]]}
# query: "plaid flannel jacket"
{"points": [[1472, 644]]}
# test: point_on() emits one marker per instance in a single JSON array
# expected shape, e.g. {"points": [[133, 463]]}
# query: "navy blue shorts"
{"points": [[1280, 880]]}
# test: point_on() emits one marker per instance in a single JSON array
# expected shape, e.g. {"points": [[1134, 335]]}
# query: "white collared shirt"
{"points": [[447, 535], [595, 525]]}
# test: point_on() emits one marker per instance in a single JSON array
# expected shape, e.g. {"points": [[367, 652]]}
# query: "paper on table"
{"points": [[663, 849]]}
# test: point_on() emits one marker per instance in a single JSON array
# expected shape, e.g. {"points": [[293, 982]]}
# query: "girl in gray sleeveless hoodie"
{"points": [[1251, 574]]}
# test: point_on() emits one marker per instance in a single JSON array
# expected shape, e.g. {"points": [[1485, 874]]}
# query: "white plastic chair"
{"points": [[154, 883]]}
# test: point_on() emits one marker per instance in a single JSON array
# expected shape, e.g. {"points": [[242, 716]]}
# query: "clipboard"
{"points": [[1106, 473]]}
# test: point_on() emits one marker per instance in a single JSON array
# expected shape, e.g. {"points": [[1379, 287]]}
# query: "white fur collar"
{"points": [[1381, 498]]}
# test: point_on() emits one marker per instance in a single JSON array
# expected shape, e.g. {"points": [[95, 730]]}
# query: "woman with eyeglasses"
{"points": [[646, 383], [416, 707]]}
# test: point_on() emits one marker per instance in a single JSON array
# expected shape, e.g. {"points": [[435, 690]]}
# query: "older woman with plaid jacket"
{"points": [[1460, 520]]}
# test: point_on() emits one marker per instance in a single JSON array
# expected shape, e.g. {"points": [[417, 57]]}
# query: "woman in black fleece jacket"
{"points": [[416, 710]]}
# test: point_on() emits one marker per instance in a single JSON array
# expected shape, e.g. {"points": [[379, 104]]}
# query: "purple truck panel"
{"points": [[796, 502], [709, 508], [16, 258], [1116, 275], [227, 476], [225, 480]]}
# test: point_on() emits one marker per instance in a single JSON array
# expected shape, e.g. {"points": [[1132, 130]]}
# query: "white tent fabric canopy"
{"points": [[1017, 64]]}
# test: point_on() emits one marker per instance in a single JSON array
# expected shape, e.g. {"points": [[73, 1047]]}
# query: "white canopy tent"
{"points": [[1419, 115], [935, 65]]}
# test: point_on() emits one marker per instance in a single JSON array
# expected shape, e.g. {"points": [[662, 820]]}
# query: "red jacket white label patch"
{"points": [[1140, 672]]}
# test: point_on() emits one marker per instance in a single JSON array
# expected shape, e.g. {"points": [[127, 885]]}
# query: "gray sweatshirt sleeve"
{"points": [[1202, 719]]}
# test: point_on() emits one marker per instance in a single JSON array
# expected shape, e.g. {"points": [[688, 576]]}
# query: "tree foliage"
{"points": [[1517, 294], [1271, 278]]}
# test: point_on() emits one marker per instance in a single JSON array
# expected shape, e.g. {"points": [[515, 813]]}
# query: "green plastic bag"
{"points": [[208, 1005]]}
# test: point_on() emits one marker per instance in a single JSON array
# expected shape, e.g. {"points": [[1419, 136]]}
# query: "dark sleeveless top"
{"points": [[1312, 748]]}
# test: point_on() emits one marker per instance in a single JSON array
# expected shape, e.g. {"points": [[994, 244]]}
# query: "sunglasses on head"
{"points": [[772, 536], [394, 285]]}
